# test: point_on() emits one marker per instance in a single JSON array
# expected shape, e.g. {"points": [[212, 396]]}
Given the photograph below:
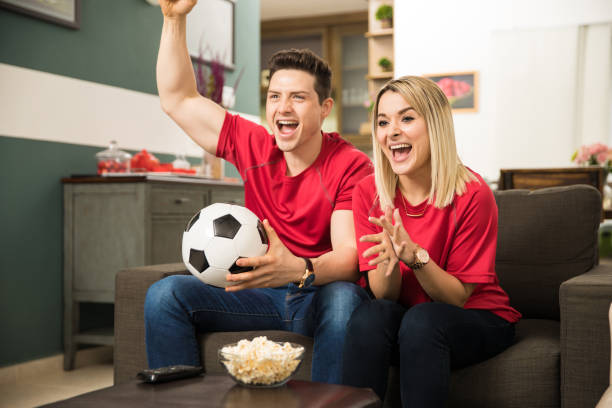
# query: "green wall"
{"points": [[116, 45], [31, 280]]}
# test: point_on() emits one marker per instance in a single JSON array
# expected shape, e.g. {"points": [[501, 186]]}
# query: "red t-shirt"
{"points": [[461, 238], [299, 208]]}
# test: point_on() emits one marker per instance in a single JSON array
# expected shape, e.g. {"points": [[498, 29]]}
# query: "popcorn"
{"points": [[261, 361]]}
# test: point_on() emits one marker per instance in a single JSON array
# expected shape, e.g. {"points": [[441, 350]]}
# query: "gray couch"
{"points": [[547, 261], [606, 399]]}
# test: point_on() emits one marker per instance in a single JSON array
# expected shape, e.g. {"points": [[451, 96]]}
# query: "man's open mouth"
{"points": [[286, 126]]}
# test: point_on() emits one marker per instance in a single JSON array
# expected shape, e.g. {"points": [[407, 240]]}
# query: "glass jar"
{"points": [[181, 162], [113, 160]]}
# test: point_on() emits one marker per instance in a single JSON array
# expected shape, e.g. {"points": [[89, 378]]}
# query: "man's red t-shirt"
{"points": [[298, 208], [461, 238]]}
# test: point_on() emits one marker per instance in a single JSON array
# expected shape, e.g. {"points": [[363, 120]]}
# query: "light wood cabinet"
{"points": [[111, 223], [350, 68]]}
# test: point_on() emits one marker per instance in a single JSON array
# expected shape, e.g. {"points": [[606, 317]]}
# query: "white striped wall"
{"points": [[42, 106]]}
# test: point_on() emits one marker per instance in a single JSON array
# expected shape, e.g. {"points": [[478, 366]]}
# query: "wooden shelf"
{"points": [[380, 45], [102, 336], [380, 33]]}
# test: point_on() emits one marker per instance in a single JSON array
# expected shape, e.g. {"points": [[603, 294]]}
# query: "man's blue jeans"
{"points": [[426, 341], [178, 307]]}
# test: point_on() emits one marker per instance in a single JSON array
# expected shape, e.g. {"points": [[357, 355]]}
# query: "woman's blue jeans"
{"points": [[426, 341], [179, 307]]}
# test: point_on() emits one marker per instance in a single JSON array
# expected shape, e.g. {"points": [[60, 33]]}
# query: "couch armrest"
{"points": [[606, 399], [131, 287], [585, 337]]}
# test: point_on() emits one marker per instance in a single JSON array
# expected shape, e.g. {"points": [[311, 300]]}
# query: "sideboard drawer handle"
{"points": [[181, 200]]}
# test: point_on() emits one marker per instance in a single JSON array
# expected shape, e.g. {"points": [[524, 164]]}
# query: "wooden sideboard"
{"points": [[532, 179], [111, 223]]}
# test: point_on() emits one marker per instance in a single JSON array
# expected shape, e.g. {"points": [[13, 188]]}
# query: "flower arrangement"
{"points": [[596, 154], [369, 102], [210, 84]]}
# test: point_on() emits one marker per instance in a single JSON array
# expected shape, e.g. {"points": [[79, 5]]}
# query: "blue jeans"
{"points": [[426, 341], [179, 307]]}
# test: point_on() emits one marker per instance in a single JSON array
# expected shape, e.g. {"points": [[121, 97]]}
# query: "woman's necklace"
{"points": [[411, 214]]}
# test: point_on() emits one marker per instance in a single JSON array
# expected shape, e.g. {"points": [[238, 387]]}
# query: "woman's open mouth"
{"points": [[400, 152]]}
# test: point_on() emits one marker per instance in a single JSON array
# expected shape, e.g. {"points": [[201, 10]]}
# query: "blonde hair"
{"points": [[448, 175]]}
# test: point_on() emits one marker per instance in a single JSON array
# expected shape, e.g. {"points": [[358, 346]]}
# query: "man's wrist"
{"points": [[175, 26], [298, 271], [178, 19], [308, 276]]}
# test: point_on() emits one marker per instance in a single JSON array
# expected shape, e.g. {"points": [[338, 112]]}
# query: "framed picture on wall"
{"points": [[461, 89], [210, 32], [63, 12]]}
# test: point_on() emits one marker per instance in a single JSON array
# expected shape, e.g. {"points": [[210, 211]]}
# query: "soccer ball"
{"points": [[216, 237]]}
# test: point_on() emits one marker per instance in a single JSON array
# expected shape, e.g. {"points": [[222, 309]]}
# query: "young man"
{"points": [[299, 181]]}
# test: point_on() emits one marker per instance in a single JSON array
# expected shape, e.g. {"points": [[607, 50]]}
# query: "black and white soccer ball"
{"points": [[217, 236]]}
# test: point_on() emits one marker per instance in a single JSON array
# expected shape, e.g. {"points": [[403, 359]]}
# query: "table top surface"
{"points": [[221, 391], [150, 177]]}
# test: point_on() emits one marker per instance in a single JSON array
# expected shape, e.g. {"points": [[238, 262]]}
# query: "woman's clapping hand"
{"points": [[393, 242]]}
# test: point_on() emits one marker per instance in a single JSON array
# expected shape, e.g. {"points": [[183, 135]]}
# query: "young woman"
{"points": [[426, 227]]}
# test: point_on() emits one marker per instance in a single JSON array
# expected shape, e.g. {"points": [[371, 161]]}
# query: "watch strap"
{"points": [[308, 272]]}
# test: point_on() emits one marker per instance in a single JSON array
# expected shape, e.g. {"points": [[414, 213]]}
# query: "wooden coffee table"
{"points": [[221, 391]]}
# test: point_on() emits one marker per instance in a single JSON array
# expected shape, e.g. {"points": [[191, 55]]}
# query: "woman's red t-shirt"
{"points": [[460, 238]]}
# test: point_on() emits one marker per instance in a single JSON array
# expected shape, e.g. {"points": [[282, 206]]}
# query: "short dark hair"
{"points": [[304, 60]]}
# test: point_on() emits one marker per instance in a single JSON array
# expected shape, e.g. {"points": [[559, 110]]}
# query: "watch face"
{"points": [[422, 256]]}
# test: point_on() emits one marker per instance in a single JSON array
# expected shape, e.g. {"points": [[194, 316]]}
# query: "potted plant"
{"points": [[385, 64], [385, 15]]}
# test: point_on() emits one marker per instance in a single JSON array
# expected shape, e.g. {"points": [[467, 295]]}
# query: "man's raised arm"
{"points": [[198, 116]]}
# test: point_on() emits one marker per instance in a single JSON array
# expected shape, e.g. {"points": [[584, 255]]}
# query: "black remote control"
{"points": [[170, 373]]}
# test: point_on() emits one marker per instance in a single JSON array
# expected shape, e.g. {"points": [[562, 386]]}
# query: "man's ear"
{"points": [[326, 107]]}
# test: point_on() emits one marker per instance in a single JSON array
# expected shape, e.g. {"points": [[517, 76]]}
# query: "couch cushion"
{"points": [[210, 344], [545, 237], [525, 375]]}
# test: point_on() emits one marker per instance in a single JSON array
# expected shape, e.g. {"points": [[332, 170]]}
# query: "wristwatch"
{"points": [[308, 276], [421, 257]]}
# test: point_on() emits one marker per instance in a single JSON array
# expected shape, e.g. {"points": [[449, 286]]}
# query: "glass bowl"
{"points": [[261, 363]]}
